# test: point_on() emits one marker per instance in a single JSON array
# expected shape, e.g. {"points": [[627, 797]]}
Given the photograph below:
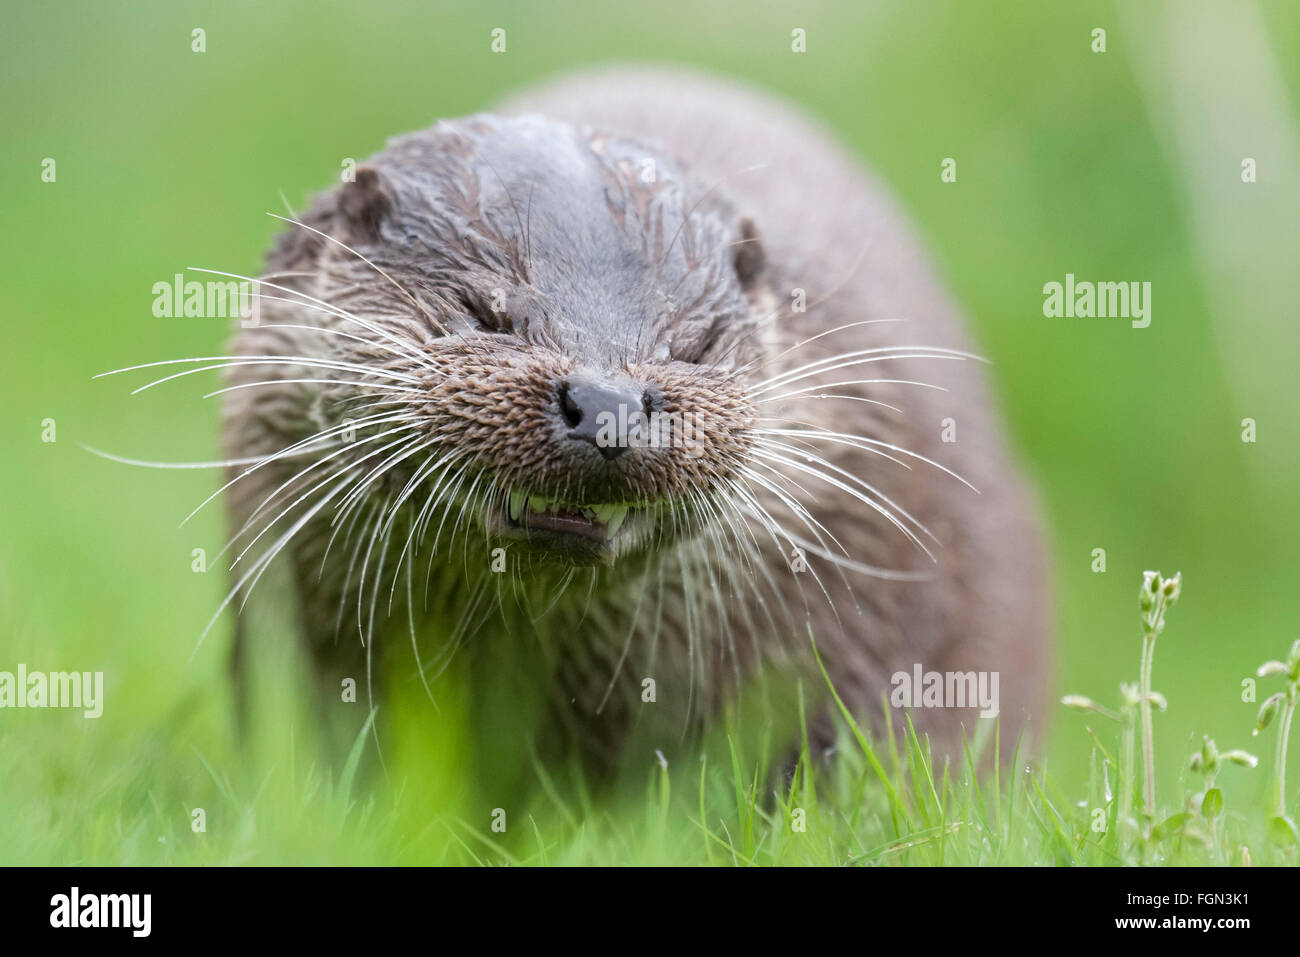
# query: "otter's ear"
{"points": [[748, 256], [364, 203]]}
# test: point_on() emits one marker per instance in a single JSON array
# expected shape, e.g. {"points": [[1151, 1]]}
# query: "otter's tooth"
{"points": [[616, 516], [516, 505]]}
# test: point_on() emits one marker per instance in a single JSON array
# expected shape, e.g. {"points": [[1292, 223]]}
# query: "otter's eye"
{"points": [[488, 315], [487, 321], [748, 257], [708, 340]]}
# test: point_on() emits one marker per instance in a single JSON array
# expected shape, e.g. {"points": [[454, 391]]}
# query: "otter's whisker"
{"points": [[427, 467], [365, 565], [860, 357], [560, 589], [811, 339], [263, 359], [775, 528], [712, 535], [371, 511], [871, 503], [248, 523], [843, 561], [417, 524], [462, 631], [805, 517], [634, 619], [263, 562], [738, 522], [413, 355], [344, 474], [398, 286], [290, 361], [788, 498], [823, 463], [330, 330], [809, 443], [329, 544], [415, 645], [851, 398], [144, 463], [846, 382], [369, 386], [382, 468], [866, 444], [316, 464]]}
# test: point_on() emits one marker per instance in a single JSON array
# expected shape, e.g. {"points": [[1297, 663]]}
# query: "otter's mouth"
{"points": [[580, 531], [599, 523]]}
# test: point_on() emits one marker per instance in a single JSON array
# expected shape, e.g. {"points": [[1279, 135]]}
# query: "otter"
{"points": [[637, 381]]}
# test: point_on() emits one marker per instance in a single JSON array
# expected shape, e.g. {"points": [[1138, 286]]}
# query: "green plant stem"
{"points": [[1283, 734], [1148, 744]]}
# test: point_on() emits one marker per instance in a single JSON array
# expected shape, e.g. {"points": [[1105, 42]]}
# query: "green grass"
{"points": [[876, 801], [1117, 166]]}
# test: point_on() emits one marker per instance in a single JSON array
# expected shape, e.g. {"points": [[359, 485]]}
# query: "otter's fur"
{"points": [[659, 229]]}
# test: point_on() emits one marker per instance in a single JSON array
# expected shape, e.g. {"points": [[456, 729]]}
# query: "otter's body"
{"points": [[621, 244]]}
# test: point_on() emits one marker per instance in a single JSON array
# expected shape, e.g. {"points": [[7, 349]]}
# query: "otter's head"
{"points": [[557, 319]]}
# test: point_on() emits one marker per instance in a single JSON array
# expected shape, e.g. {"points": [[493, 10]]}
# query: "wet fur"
{"points": [[508, 250]]}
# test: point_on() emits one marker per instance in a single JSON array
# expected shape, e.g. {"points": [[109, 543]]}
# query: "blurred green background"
{"points": [[1117, 166]]}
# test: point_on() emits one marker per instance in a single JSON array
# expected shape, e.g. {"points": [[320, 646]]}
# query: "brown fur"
{"points": [[518, 251]]}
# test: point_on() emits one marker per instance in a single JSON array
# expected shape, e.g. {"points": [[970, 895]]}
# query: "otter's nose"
{"points": [[608, 415]]}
